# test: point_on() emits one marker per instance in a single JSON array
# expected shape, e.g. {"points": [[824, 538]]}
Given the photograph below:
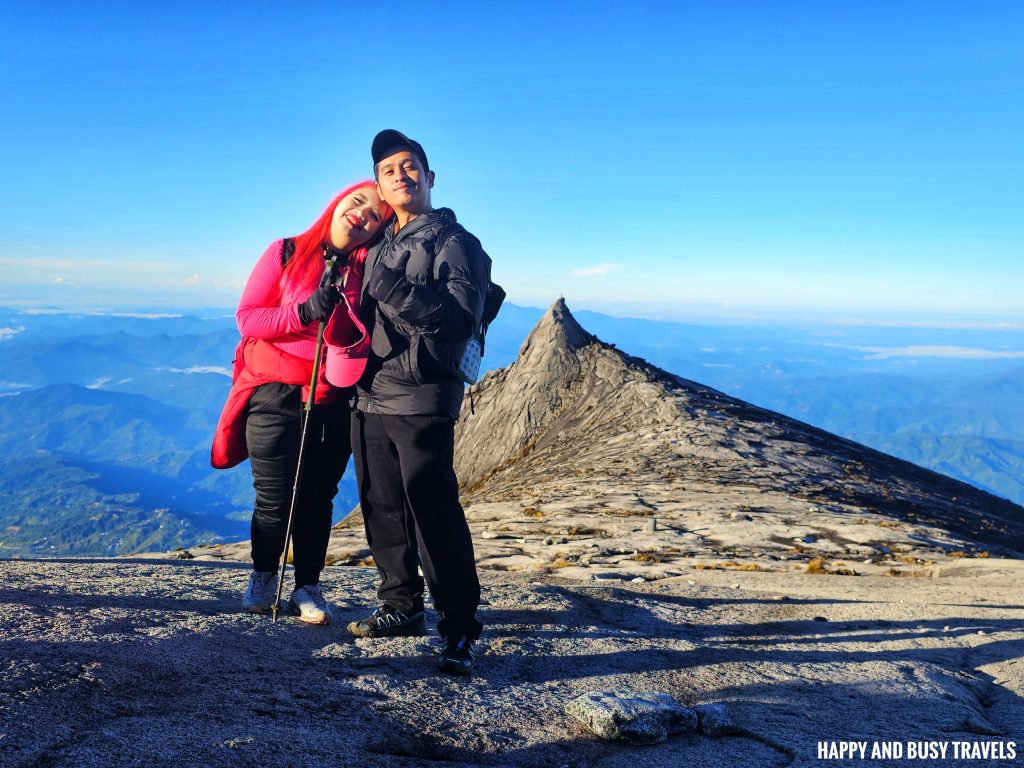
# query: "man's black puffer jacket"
{"points": [[431, 280]]}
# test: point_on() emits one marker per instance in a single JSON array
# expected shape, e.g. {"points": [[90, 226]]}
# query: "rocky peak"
{"points": [[554, 340], [575, 424], [515, 406]]}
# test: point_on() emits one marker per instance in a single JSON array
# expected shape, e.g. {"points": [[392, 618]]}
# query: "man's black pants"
{"points": [[410, 502], [272, 432]]}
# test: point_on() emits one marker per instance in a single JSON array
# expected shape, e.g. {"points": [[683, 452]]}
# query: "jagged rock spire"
{"points": [[556, 334], [514, 406], [574, 417]]}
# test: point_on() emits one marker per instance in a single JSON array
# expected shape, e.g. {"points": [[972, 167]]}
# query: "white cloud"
{"points": [[968, 353], [92, 265], [6, 334], [598, 270], [77, 313], [201, 369]]}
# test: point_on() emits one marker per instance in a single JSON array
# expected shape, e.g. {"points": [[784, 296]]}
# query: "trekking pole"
{"points": [[329, 276]]}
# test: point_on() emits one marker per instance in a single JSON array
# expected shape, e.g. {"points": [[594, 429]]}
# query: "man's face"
{"points": [[402, 182]]}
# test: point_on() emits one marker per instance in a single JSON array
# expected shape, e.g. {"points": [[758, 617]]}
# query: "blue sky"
{"points": [[688, 159]]}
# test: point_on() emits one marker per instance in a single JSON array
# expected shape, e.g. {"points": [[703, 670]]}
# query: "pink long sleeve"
{"points": [[260, 312]]}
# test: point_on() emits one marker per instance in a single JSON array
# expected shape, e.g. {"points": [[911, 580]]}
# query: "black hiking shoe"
{"points": [[457, 655], [388, 621]]}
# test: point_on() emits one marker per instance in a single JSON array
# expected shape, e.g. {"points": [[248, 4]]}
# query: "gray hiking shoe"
{"points": [[261, 591], [309, 605], [388, 621]]}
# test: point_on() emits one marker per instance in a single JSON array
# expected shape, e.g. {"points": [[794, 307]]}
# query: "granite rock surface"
{"points": [[153, 663]]}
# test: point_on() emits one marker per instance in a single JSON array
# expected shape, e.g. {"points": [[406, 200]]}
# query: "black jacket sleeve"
{"points": [[451, 309]]}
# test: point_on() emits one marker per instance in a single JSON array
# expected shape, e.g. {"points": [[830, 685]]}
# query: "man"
{"points": [[422, 299]]}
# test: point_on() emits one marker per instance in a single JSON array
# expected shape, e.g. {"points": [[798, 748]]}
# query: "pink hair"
{"points": [[306, 264]]}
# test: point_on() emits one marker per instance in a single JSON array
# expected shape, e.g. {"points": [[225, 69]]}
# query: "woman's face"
{"points": [[357, 218]]}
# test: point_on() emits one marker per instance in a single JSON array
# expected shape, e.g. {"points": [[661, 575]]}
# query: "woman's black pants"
{"points": [[272, 433]]}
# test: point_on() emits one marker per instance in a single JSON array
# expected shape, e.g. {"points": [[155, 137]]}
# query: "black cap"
{"points": [[386, 143]]}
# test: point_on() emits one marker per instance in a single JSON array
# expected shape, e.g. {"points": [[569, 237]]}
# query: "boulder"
{"points": [[640, 718]]}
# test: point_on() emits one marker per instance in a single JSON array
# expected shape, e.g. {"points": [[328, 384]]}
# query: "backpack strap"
{"points": [[495, 293], [444, 234], [287, 251]]}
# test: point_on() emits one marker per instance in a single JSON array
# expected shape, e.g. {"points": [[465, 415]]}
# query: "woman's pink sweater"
{"points": [[270, 313]]}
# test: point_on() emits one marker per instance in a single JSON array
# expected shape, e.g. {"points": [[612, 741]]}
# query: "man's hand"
{"points": [[383, 282], [319, 304]]}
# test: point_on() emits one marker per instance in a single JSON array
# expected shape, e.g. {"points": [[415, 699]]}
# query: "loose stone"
{"points": [[640, 718], [714, 720]]}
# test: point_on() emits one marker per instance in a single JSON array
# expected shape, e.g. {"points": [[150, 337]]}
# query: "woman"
{"points": [[285, 299]]}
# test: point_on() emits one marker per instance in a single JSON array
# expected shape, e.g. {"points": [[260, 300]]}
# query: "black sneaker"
{"points": [[456, 655], [388, 621]]}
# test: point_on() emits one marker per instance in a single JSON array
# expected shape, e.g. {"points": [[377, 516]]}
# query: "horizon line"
{"points": [[735, 315]]}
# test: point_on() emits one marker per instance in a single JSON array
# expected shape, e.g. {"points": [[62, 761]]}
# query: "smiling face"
{"points": [[404, 184], [358, 216]]}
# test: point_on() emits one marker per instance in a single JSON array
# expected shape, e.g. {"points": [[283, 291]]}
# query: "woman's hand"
{"points": [[319, 304]]}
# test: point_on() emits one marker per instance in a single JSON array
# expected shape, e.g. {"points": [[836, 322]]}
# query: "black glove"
{"points": [[319, 304], [383, 282]]}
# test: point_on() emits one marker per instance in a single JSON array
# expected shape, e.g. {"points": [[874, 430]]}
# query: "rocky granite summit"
{"points": [[576, 426], [640, 537]]}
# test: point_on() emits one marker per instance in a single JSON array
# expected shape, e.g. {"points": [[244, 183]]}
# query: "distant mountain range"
{"points": [[105, 420]]}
